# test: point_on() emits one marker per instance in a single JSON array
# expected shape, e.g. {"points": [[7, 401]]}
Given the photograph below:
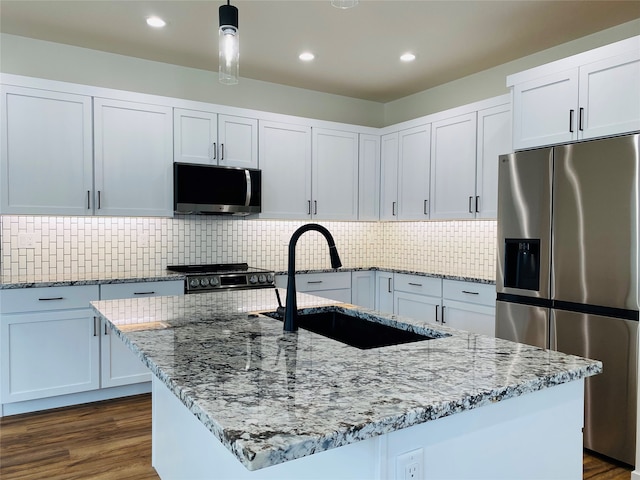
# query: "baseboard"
{"points": [[29, 406], [635, 475]]}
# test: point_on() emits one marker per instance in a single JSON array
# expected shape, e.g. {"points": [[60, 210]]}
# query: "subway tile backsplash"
{"points": [[49, 246]]}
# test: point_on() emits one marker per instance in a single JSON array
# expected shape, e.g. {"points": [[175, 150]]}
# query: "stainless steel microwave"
{"points": [[212, 190]]}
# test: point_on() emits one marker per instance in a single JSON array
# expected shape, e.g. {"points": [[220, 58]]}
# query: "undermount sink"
{"points": [[352, 330]]}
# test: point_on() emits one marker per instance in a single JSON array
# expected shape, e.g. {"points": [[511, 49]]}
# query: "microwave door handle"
{"points": [[248, 199]]}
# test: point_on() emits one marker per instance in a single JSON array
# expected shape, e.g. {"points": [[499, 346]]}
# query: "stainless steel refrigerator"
{"points": [[567, 272]]}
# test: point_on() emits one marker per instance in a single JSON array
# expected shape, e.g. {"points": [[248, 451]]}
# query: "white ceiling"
{"points": [[357, 50]]}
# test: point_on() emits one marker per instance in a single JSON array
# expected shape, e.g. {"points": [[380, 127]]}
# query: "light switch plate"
{"points": [[28, 240]]}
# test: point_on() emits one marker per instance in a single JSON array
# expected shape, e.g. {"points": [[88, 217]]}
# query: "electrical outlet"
{"points": [[28, 240], [409, 466]]}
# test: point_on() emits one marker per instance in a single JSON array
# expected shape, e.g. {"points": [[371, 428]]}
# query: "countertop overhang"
{"points": [[271, 396]]}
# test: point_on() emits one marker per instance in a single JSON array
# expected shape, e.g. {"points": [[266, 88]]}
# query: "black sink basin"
{"points": [[352, 330]]}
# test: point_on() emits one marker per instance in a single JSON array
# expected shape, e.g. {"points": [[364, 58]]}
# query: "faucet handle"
{"points": [[280, 309]]}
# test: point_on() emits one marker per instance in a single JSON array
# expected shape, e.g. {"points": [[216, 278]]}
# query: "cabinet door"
{"points": [[48, 353], [417, 307], [610, 96], [369, 178], [545, 110], [238, 139], [133, 158], [389, 177], [285, 162], [46, 162], [195, 136], [384, 292], [334, 174], [479, 319], [413, 172], [494, 139], [363, 289], [118, 364], [453, 167]]}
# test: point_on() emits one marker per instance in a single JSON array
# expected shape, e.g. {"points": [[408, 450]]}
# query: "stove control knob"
{"points": [[204, 282], [194, 283], [215, 281], [253, 279], [262, 278], [269, 278]]}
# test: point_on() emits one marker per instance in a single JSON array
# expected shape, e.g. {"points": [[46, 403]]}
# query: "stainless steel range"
{"points": [[222, 276]]}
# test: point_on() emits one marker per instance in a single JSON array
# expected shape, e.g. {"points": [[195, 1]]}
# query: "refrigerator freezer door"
{"points": [[610, 398], [524, 218], [522, 323], [595, 223]]}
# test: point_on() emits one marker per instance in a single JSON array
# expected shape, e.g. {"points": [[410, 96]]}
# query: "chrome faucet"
{"points": [[291, 306]]}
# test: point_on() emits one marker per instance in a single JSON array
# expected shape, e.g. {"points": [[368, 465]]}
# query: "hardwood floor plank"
{"points": [[111, 440]]}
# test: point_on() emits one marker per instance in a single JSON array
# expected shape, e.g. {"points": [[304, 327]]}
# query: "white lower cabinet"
{"points": [[119, 365], [469, 306], [49, 342], [384, 292], [331, 285], [363, 289], [417, 297], [54, 352]]}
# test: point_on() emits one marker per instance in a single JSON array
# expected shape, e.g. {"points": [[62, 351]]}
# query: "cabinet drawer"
{"points": [[47, 298], [113, 291], [323, 281], [470, 292], [418, 284]]}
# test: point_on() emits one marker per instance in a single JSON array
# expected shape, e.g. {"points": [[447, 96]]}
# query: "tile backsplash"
{"points": [[40, 245]]}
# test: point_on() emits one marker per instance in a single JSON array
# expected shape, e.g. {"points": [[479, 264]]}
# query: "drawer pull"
{"points": [[314, 281], [437, 308], [443, 307], [470, 293], [95, 330], [144, 293], [50, 298], [415, 284]]}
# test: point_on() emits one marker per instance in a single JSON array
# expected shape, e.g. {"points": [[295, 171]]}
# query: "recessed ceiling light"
{"points": [[306, 56], [156, 22], [407, 57]]}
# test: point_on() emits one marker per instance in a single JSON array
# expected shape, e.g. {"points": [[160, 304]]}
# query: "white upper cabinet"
{"points": [[133, 158], [195, 136], [414, 146], [238, 137], [494, 139], [46, 162], [389, 177], [453, 167], [285, 162], [369, 177], [610, 96], [334, 174], [212, 139], [592, 94]]}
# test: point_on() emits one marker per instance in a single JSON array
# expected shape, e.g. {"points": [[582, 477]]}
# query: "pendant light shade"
{"points": [[228, 45]]}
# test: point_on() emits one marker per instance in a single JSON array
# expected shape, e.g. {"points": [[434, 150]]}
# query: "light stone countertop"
{"points": [[271, 396], [107, 277]]}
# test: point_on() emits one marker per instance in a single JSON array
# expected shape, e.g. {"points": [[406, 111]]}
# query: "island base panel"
{"points": [[537, 435]]}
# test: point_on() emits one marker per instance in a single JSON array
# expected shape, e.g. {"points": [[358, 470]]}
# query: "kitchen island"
{"points": [[235, 397]]}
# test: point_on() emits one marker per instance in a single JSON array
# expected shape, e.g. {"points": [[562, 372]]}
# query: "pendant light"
{"points": [[228, 45]]}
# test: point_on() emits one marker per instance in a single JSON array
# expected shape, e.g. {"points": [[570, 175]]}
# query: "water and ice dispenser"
{"points": [[522, 263]]}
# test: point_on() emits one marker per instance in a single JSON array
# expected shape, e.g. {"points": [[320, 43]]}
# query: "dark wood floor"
{"points": [[112, 441]]}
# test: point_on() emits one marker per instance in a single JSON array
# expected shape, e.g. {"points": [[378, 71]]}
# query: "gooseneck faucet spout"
{"points": [[291, 306]]}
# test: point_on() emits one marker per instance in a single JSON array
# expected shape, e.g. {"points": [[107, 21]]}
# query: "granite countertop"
{"points": [[71, 279], [271, 396]]}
